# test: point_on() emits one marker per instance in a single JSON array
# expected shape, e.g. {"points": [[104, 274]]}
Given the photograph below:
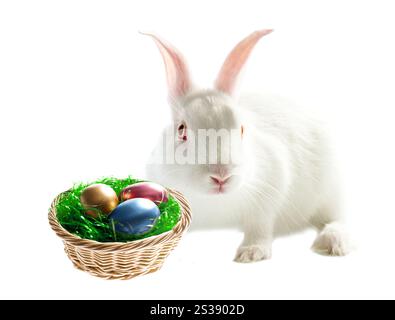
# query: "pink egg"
{"points": [[148, 190]]}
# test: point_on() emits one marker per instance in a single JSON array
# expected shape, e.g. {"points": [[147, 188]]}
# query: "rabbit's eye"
{"points": [[242, 131], [182, 132]]}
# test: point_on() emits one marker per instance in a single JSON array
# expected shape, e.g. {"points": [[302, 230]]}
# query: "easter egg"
{"points": [[135, 216], [148, 190], [99, 198]]}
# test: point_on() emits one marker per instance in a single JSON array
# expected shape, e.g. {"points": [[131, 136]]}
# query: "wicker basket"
{"points": [[122, 260]]}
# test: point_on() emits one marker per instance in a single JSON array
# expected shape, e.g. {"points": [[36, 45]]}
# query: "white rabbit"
{"points": [[284, 179]]}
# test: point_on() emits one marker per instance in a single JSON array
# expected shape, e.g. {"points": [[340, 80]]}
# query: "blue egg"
{"points": [[135, 216]]}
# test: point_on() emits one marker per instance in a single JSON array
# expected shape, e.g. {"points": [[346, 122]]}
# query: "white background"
{"points": [[82, 95]]}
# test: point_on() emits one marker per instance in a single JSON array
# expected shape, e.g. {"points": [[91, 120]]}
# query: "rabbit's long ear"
{"points": [[177, 73], [235, 61]]}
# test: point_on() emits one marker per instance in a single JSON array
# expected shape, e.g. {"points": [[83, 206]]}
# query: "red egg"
{"points": [[147, 190]]}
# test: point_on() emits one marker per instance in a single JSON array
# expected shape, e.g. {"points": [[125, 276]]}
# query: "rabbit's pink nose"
{"points": [[219, 180]]}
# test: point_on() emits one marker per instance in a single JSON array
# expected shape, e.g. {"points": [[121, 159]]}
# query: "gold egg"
{"points": [[99, 198]]}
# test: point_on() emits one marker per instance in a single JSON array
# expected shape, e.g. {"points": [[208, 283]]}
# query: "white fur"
{"points": [[286, 181]]}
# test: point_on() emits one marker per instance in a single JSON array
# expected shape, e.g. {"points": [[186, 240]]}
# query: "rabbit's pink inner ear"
{"points": [[176, 70], [235, 61]]}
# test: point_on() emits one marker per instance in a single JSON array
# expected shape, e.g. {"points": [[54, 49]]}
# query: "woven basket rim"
{"points": [[181, 226]]}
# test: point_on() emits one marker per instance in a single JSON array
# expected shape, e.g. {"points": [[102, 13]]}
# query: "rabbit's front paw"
{"points": [[254, 253]]}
